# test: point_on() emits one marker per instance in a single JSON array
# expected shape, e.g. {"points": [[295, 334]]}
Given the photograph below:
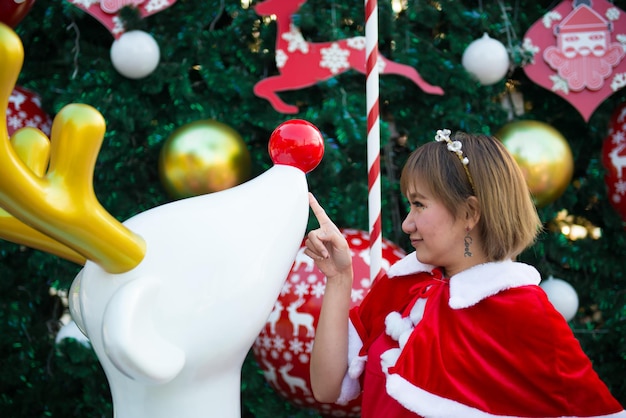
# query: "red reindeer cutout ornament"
{"points": [[303, 64]]}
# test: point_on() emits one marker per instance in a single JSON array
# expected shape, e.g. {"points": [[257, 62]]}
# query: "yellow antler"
{"points": [[60, 204]]}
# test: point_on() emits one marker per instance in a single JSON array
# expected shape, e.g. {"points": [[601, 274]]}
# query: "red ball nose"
{"points": [[297, 143]]}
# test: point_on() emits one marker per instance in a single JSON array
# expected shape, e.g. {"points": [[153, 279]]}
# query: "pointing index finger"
{"points": [[318, 210]]}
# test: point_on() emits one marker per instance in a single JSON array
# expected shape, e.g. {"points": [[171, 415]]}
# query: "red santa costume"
{"points": [[485, 343]]}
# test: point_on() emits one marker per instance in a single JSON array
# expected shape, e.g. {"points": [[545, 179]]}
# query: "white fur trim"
{"points": [[350, 389], [479, 282], [408, 265], [389, 358], [470, 286], [350, 385], [429, 405], [417, 312], [404, 338], [396, 325]]}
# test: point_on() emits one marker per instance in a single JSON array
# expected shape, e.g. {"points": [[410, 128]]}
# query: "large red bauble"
{"points": [[13, 11], [614, 160], [297, 143], [283, 348], [25, 110]]}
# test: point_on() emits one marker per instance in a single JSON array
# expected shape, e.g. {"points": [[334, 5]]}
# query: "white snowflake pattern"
{"points": [[296, 346], [617, 137], [558, 83], [620, 187], [287, 356], [335, 58], [301, 290], [303, 358], [621, 38], [619, 81], [309, 346], [312, 278], [317, 289], [266, 342], [285, 289], [612, 13], [358, 42], [85, 3], [17, 99], [530, 48], [156, 5], [357, 295], [295, 40], [549, 17], [34, 122], [278, 343], [118, 26], [15, 122]]}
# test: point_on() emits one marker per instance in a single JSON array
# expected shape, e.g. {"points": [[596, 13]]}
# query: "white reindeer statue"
{"points": [[173, 298]]}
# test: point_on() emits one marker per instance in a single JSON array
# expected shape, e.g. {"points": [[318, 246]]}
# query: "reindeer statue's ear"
{"points": [[131, 339], [57, 211]]}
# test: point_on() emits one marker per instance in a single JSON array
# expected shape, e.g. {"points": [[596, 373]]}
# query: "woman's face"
{"points": [[438, 238]]}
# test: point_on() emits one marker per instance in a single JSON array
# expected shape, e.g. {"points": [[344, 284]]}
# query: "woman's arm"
{"points": [[329, 358]]}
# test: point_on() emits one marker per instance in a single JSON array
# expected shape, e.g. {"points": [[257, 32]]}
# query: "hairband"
{"points": [[455, 146]]}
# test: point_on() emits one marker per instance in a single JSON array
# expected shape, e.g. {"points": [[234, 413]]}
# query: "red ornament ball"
{"points": [[25, 110], [297, 143], [13, 11], [283, 348], [614, 161]]}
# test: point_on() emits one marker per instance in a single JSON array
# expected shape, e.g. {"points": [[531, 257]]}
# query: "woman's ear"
{"points": [[472, 213]]}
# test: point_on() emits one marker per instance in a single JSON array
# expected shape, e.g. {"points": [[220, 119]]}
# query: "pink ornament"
{"points": [[614, 160], [13, 11], [297, 143], [107, 11], [283, 348], [25, 110], [576, 53]]}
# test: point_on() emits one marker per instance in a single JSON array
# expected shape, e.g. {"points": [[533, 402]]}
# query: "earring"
{"points": [[468, 240]]}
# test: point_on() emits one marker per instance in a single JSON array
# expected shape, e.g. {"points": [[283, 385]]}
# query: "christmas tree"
{"points": [[212, 54]]}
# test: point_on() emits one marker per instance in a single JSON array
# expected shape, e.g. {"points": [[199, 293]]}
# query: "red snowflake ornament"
{"points": [[283, 348], [614, 160], [578, 52], [25, 110]]}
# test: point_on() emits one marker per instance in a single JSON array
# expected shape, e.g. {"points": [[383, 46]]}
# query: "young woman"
{"points": [[457, 328]]}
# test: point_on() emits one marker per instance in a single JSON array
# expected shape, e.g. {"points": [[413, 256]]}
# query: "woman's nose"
{"points": [[407, 224]]}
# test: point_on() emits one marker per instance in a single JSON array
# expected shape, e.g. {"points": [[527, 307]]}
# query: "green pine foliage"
{"points": [[212, 54]]}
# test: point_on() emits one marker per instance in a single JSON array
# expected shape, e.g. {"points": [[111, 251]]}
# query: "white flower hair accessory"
{"points": [[443, 135]]}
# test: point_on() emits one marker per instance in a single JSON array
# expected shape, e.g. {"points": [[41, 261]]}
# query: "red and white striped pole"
{"points": [[373, 138]]}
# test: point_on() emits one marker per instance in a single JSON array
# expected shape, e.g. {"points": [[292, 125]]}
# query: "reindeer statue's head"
{"points": [[172, 299]]}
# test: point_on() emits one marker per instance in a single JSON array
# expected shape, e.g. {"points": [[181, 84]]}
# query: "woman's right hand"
{"points": [[326, 245]]}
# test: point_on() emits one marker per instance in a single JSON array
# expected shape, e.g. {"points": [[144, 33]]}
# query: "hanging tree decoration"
{"points": [[578, 53], [301, 63], [135, 54]]}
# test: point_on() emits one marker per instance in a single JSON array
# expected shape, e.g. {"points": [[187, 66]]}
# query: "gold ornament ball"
{"points": [[203, 157], [544, 156]]}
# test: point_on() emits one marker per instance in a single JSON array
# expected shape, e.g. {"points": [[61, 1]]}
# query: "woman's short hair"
{"points": [[508, 217]]}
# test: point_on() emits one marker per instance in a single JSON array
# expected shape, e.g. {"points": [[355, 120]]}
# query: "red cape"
{"points": [[501, 350]]}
